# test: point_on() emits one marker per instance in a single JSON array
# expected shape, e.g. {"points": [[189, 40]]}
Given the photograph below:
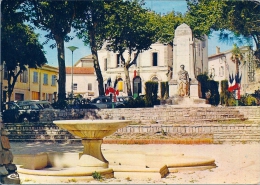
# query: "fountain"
{"points": [[47, 166], [73, 165], [92, 133]]}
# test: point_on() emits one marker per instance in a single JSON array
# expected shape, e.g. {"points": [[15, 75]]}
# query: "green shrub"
{"points": [[248, 100], [135, 103], [213, 87], [164, 90], [96, 175], [151, 94], [203, 78], [209, 85]]}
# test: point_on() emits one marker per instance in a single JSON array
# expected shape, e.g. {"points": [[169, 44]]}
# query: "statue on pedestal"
{"points": [[183, 82]]}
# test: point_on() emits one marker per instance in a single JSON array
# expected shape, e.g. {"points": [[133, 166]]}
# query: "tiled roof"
{"points": [[80, 70]]}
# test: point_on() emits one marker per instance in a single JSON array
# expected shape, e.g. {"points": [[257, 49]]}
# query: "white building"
{"points": [[84, 78], [221, 66], [151, 65]]}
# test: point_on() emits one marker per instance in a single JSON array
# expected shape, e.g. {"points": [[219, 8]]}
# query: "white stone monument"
{"points": [[181, 89]]}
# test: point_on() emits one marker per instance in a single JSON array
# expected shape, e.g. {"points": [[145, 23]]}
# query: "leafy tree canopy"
{"points": [[239, 17], [20, 45], [168, 23], [131, 29], [56, 18]]}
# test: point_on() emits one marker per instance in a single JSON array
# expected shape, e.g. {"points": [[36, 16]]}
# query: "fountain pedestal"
{"points": [[93, 147], [92, 133]]}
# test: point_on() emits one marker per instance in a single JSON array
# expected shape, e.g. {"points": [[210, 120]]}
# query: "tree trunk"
{"points": [[93, 47], [237, 65], [128, 82], [11, 85], [62, 69], [101, 91]]}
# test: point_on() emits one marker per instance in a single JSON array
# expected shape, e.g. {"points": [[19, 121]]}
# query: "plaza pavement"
{"points": [[236, 163]]}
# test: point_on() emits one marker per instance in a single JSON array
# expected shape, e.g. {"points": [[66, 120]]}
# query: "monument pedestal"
{"points": [[192, 101]]}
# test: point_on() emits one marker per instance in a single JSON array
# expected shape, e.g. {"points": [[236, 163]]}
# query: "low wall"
{"points": [[163, 115], [250, 112], [180, 122], [219, 133]]}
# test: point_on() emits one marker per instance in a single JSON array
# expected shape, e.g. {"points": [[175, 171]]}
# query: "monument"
{"points": [[188, 62], [183, 82]]}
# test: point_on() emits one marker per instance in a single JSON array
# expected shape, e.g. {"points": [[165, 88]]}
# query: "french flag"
{"points": [[234, 82]]}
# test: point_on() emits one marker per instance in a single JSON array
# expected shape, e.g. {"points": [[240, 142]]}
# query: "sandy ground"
{"points": [[236, 163]]}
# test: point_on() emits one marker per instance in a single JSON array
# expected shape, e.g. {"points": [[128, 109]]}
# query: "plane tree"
{"points": [[56, 18], [168, 23], [240, 18], [131, 30], [20, 46], [90, 26]]}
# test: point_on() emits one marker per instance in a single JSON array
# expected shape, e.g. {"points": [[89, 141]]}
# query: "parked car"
{"points": [[21, 111], [105, 102]]}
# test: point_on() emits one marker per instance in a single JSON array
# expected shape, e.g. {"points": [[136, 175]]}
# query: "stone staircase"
{"points": [[170, 115], [176, 120]]}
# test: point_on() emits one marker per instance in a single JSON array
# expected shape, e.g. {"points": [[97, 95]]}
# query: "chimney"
{"points": [[217, 50]]}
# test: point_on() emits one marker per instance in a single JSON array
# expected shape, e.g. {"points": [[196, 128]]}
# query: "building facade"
{"points": [[151, 65], [81, 80], [33, 84], [221, 67]]}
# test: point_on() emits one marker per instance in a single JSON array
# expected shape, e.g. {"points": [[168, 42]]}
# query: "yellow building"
{"points": [[34, 84]]}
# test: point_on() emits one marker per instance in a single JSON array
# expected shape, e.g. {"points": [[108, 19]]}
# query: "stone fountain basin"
{"points": [[123, 164], [92, 129]]}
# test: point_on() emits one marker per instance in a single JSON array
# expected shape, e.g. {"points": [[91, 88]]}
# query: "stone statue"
{"points": [[183, 82], [169, 73]]}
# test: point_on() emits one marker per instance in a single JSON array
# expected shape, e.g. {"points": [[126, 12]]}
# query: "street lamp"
{"points": [[72, 48]]}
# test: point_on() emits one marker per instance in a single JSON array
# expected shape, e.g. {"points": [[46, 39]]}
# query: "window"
{"points": [[35, 77], [120, 85], [89, 86], [24, 76], [155, 59], [53, 80], [118, 61], [212, 73], [221, 71], [45, 79], [75, 86], [105, 64], [155, 79]]}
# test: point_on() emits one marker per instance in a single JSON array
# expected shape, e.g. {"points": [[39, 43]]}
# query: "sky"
{"points": [[159, 6]]}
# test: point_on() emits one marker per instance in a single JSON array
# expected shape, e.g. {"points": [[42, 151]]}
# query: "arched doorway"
{"points": [[137, 86]]}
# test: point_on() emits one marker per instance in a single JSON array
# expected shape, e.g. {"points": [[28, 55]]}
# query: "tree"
{"points": [[242, 18], [20, 46], [236, 57], [131, 30], [168, 23], [55, 17], [91, 27]]}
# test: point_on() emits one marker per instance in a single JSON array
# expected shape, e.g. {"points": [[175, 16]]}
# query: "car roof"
{"points": [[32, 101]]}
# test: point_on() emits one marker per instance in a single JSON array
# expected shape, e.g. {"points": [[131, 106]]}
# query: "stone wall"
{"points": [[163, 115], [220, 132], [8, 170], [250, 112], [181, 121]]}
